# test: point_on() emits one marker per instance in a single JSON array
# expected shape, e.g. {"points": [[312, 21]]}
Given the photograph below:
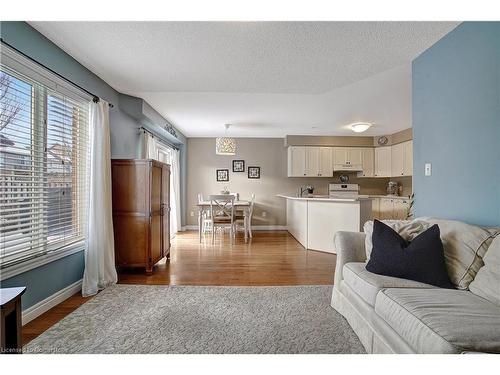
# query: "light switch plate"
{"points": [[428, 169]]}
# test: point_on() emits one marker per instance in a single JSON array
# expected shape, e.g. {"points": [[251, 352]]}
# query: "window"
{"points": [[43, 160]]}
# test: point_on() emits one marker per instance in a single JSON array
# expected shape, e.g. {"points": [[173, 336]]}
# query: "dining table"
{"points": [[239, 205]]}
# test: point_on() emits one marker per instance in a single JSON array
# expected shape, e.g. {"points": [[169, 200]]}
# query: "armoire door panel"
{"points": [[156, 238], [130, 187], [156, 183], [131, 249]]}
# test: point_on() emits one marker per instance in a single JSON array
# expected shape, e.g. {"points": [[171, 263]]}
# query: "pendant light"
{"points": [[225, 145]]}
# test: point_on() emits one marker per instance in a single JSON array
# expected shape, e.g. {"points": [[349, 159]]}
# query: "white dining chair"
{"points": [[222, 214], [246, 220], [206, 220]]}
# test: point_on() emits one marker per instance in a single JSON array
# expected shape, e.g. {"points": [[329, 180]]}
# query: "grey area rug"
{"points": [[198, 319]]}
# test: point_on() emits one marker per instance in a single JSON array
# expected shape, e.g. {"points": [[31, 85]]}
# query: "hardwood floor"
{"points": [[270, 258]]}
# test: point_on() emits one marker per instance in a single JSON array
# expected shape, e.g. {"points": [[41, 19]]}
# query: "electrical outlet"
{"points": [[191, 213], [264, 213], [428, 169]]}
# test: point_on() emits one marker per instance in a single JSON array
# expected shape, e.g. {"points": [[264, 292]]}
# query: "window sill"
{"points": [[28, 265]]}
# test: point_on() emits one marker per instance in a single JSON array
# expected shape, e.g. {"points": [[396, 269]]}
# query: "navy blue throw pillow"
{"points": [[421, 259]]}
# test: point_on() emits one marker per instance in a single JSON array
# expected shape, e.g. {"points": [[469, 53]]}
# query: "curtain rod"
{"points": [[95, 98], [159, 137]]}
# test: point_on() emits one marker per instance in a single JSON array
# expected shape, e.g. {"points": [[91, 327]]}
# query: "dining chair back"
{"points": [[222, 213]]}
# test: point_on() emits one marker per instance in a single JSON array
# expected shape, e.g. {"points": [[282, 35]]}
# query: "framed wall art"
{"points": [[222, 175], [238, 165], [254, 172]]}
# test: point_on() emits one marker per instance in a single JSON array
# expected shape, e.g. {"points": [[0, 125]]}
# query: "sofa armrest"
{"points": [[350, 247]]}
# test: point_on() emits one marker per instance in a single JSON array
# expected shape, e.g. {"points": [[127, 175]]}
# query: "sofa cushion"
{"points": [[487, 281], [367, 284], [464, 248], [441, 320], [408, 229], [420, 260]]}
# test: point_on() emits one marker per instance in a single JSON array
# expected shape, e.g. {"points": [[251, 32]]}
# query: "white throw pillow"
{"points": [[487, 281], [408, 229]]}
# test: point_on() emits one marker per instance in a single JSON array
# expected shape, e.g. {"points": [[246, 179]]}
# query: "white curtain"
{"points": [[175, 196], [158, 150], [100, 269], [150, 148]]}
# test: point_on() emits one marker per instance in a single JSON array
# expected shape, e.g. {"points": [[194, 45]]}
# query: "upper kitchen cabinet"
{"points": [[368, 162], [408, 158], [325, 161], [345, 158], [297, 161], [402, 159], [319, 162], [310, 161], [383, 161]]}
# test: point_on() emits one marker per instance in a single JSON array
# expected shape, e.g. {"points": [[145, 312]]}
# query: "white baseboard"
{"points": [[40, 307], [254, 227]]}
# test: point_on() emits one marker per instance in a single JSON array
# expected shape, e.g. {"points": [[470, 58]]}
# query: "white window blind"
{"points": [[43, 164]]}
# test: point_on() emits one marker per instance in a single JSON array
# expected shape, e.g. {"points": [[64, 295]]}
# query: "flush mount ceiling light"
{"points": [[225, 145], [360, 127]]}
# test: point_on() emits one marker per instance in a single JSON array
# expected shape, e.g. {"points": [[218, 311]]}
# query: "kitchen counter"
{"points": [[313, 221], [390, 196], [326, 198]]}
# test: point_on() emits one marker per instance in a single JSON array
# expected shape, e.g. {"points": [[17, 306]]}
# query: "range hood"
{"points": [[347, 167]]}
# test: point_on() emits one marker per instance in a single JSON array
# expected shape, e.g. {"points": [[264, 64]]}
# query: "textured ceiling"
{"points": [[272, 78]]}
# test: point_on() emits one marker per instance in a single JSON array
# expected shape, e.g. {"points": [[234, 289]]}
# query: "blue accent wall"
{"points": [[456, 125], [46, 280]]}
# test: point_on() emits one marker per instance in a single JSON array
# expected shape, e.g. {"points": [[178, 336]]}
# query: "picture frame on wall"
{"points": [[253, 172], [238, 165], [222, 175]]}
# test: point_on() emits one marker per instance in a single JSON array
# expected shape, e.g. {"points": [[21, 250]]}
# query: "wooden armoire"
{"points": [[141, 212]]}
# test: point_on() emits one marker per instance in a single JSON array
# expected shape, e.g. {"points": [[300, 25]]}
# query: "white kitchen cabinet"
{"points": [[402, 159], [383, 161], [310, 161], [325, 162], [390, 208], [386, 209], [401, 207], [354, 155], [319, 162], [408, 158], [339, 155], [397, 164], [348, 157], [368, 162], [296, 161]]}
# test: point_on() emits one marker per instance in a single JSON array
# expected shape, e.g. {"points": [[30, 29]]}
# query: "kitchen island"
{"points": [[313, 221]]}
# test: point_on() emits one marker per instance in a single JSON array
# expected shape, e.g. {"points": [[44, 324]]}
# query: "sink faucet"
{"points": [[303, 189]]}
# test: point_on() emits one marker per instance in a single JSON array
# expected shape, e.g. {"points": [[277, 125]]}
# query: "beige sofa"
{"points": [[392, 315]]}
